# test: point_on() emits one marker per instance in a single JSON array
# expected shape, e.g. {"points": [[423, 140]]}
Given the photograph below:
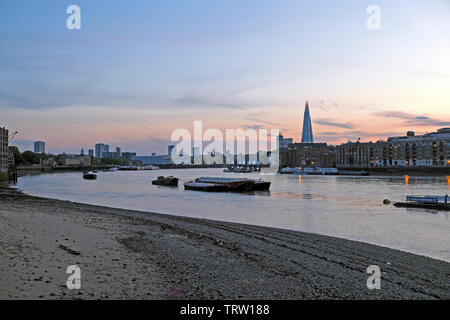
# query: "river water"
{"points": [[345, 207]]}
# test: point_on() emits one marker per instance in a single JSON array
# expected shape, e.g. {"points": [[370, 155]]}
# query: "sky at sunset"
{"points": [[137, 70]]}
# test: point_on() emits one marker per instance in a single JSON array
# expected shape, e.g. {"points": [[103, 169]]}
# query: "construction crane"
{"points": [[12, 135]]}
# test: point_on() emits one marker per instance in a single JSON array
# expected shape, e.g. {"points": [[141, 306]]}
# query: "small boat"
{"points": [[166, 181], [425, 202], [287, 170], [89, 175]]}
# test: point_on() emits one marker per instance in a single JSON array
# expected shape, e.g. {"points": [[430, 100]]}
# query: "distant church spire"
{"points": [[307, 135]]}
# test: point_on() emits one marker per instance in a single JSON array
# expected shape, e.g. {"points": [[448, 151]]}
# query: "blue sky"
{"points": [[139, 69]]}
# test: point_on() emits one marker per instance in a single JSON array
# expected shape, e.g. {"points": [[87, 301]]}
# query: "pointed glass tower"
{"points": [[307, 135]]}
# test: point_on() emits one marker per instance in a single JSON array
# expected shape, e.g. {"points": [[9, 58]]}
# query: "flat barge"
{"points": [[212, 184], [425, 202]]}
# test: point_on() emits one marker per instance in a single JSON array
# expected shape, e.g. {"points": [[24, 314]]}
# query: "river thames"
{"points": [[340, 206]]}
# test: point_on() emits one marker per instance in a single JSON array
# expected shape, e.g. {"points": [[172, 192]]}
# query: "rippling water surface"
{"points": [[345, 207]]}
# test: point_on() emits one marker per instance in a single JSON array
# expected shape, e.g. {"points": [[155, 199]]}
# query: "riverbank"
{"points": [[127, 254]]}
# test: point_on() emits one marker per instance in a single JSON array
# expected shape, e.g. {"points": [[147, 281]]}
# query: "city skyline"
{"points": [[131, 83]]}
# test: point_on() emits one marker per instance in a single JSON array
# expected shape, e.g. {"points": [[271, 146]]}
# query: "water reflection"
{"points": [[347, 207]]}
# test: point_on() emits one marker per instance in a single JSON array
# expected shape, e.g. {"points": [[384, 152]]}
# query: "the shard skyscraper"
{"points": [[307, 135]]}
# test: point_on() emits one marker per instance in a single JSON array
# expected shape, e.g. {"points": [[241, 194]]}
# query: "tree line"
{"points": [[28, 157]]}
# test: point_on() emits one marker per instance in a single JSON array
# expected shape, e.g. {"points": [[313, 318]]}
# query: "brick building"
{"points": [[306, 155]]}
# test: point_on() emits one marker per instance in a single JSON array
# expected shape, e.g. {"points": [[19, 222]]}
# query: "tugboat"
{"points": [[166, 181], [89, 175], [425, 202]]}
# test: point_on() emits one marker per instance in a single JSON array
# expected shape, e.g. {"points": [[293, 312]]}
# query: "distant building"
{"points": [[328, 159], [82, 152], [91, 152], [283, 143], [50, 162], [77, 160], [109, 155], [128, 155], [112, 155], [99, 149], [361, 154], [428, 150], [307, 134], [169, 150], [305, 155], [39, 147], [4, 140], [153, 160]]}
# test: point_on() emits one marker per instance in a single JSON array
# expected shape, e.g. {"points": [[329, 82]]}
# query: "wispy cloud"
{"points": [[257, 118], [412, 119], [191, 100], [254, 126], [331, 123], [328, 133], [325, 105]]}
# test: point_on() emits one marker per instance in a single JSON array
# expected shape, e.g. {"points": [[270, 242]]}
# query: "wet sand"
{"points": [[127, 254]]}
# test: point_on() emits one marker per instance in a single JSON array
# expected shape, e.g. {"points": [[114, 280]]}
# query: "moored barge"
{"points": [[425, 202], [227, 184]]}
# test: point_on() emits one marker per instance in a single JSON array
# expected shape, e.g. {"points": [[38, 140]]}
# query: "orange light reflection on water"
{"points": [[406, 179]]}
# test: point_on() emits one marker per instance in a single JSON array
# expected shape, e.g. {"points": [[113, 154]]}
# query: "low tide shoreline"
{"points": [[126, 254]]}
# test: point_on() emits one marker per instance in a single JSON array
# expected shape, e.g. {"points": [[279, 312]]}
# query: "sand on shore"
{"points": [[127, 254]]}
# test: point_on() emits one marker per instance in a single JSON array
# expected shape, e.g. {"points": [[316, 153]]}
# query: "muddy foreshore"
{"points": [[125, 254]]}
